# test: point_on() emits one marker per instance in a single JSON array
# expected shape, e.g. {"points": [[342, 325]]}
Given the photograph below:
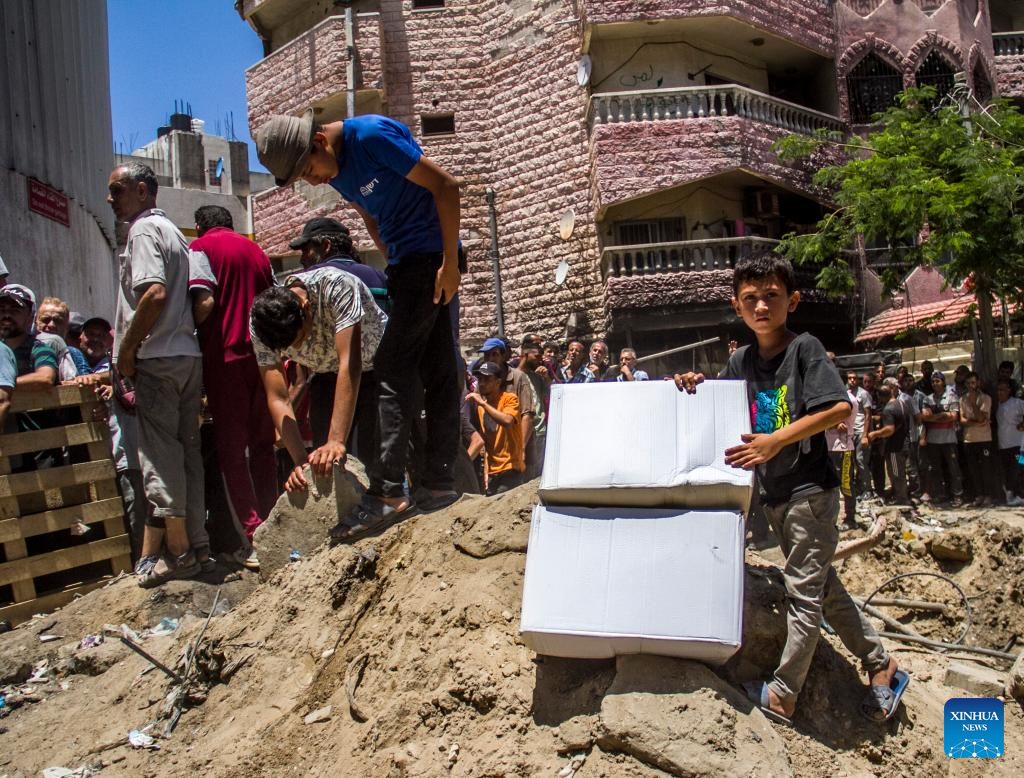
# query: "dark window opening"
{"points": [[872, 85], [428, 3], [438, 124], [982, 86], [935, 71], [640, 233]]}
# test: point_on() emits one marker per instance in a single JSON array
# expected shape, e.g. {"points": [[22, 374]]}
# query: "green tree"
{"points": [[944, 183]]}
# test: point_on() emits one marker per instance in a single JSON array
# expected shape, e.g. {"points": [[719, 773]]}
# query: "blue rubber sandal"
{"points": [[882, 701], [757, 693]]}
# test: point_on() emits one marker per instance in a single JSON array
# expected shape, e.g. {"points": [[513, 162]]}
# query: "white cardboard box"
{"points": [[645, 444], [607, 581]]}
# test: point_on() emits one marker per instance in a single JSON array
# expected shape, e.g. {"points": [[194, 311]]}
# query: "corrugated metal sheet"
{"points": [[55, 99]]}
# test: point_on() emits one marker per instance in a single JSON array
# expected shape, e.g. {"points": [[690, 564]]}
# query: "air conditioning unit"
{"points": [[761, 204]]}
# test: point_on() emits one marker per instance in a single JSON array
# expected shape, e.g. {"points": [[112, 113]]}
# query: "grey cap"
{"points": [[283, 145]]}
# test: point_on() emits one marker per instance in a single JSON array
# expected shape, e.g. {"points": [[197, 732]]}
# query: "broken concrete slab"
{"points": [[952, 546], [301, 520], [678, 716], [1015, 679], [974, 679]]}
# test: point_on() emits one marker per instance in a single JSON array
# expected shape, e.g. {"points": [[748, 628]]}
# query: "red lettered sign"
{"points": [[48, 202]]}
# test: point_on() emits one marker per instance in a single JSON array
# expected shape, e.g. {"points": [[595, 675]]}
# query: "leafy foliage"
{"points": [[947, 189]]}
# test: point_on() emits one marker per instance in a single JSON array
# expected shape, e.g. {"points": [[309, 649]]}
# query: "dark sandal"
{"points": [[881, 702], [365, 521]]}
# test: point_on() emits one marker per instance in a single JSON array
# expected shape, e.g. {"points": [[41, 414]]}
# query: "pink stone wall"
{"points": [[638, 158], [808, 22], [313, 67], [1010, 76]]}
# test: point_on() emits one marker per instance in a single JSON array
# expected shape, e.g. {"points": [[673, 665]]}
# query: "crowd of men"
{"points": [[948, 442]]}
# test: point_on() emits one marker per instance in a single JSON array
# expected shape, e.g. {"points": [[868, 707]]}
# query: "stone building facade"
{"points": [[645, 124]]}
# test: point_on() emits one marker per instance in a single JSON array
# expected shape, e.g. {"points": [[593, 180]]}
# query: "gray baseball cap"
{"points": [[283, 145]]}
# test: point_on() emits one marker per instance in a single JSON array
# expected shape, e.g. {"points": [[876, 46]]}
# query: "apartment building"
{"points": [[623, 145]]}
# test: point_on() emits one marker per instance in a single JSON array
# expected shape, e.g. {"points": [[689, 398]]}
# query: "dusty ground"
{"points": [[448, 689]]}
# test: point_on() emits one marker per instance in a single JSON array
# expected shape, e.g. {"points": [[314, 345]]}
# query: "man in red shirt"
{"points": [[228, 271]]}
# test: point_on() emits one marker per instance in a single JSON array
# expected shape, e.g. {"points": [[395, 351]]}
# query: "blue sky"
{"points": [[166, 50]]}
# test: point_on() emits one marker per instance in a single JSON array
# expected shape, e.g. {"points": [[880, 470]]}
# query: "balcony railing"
{"points": [[680, 257], [699, 102], [1008, 44]]}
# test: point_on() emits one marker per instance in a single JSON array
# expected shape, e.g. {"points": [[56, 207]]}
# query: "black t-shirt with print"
{"points": [[799, 380]]}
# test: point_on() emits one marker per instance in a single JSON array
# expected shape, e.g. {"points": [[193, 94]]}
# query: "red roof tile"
{"points": [[933, 317]]}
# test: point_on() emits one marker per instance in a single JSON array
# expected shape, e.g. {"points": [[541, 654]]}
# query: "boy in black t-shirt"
{"points": [[795, 394]]}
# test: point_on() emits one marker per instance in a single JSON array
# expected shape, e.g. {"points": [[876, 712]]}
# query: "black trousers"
{"points": [[418, 339], [1011, 470], [364, 437], [499, 483], [983, 468]]}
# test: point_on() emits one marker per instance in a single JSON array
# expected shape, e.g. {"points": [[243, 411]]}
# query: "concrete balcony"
{"points": [[687, 256], [645, 142], [805, 22], [311, 71], [699, 102], [1009, 51]]}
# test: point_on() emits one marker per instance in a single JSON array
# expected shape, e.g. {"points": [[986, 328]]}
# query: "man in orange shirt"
{"points": [[498, 418]]}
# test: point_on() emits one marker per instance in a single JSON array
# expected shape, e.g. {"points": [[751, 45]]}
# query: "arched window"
{"points": [[872, 85], [982, 86], [937, 72]]}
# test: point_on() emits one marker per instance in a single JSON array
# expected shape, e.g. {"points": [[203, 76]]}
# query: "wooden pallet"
{"points": [[54, 499]]}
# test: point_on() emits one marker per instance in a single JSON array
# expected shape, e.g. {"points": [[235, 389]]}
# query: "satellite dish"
{"points": [[219, 170], [583, 70], [567, 224], [561, 272]]}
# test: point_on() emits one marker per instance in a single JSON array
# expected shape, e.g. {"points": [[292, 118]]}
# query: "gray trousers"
{"points": [[168, 394], [862, 455], [808, 534]]}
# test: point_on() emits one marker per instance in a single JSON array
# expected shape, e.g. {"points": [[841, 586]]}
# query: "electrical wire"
{"points": [[947, 579], [684, 42]]}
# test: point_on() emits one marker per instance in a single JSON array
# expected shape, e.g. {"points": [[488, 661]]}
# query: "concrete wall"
{"points": [[55, 127]]}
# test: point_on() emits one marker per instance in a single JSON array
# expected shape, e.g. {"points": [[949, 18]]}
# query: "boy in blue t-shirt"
{"points": [[410, 206], [795, 394]]}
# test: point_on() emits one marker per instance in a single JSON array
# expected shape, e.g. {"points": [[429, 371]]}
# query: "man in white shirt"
{"points": [[1010, 430], [155, 346]]}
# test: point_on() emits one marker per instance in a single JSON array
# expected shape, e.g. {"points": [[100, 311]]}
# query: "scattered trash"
{"points": [[50, 639], [573, 767], [908, 535], [166, 626], [91, 641], [294, 555], [40, 673], [3, 701], [327, 654], [317, 716], [5, 625], [138, 739], [79, 528], [453, 755], [63, 772]]}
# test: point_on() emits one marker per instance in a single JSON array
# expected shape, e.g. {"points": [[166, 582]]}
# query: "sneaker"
{"points": [[145, 565], [1015, 502], [956, 502], [171, 569], [427, 501], [251, 561]]}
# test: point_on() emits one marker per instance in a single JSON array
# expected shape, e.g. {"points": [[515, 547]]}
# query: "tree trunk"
{"points": [[985, 359]]}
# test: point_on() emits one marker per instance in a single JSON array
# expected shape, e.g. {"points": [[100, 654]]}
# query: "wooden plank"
{"points": [[23, 590], [54, 397], [61, 518], [64, 559], [55, 478], [54, 437], [23, 611]]}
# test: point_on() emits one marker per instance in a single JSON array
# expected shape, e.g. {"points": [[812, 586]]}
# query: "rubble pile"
{"points": [[400, 656]]}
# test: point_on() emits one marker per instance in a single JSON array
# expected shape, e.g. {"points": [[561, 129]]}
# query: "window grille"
{"points": [[982, 86], [935, 71], [872, 86]]}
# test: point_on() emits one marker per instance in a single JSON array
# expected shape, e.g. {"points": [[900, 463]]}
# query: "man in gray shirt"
{"points": [[155, 346]]}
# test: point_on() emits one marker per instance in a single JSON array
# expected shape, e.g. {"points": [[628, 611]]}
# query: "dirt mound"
{"points": [[419, 628]]}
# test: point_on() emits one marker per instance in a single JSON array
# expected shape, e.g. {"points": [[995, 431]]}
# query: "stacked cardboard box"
{"points": [[638, 547]]}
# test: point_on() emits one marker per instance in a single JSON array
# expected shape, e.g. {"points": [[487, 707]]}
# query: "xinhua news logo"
{"points": [[974, 728]]}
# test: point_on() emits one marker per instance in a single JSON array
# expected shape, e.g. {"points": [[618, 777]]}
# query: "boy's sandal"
{"points": [[757, 693], [171, 569], [881, 702], [369, 519]]}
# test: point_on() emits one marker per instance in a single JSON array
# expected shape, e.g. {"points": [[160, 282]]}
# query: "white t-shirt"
{"points": [[157, 252], [1008, 416], [338, 301], [844, 441]]}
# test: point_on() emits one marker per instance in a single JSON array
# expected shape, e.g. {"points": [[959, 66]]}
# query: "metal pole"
{"points": [[689, 347], [495, 266], [350, 67]]}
